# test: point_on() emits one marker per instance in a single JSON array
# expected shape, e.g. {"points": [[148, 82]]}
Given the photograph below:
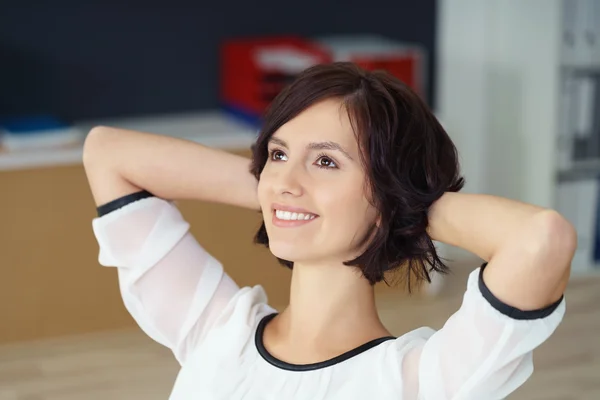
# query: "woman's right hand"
{"points": [[119, 162]]}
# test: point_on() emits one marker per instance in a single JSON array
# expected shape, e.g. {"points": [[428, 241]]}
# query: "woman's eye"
{"points": [[326, 162], [276, 155]]}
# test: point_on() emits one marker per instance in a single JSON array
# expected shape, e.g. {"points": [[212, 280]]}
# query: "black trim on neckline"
{"points": [[258, 340], [122, 202], [511, 311]]}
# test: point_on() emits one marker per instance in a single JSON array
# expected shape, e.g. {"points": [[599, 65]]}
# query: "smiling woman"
{"points": [[366, 151], [354, 178]]}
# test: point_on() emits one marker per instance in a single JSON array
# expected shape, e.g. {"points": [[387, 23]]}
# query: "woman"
{"points": [[354, 178]]}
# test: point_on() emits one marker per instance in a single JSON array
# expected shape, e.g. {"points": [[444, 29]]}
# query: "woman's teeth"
{"points": [[286, 215]]}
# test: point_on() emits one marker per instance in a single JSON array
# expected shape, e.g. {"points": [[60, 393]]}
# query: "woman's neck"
{"points": [[332, 308]]}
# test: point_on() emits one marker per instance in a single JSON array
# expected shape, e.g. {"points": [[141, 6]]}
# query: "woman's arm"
{"points": [[528, 249], [119, 162], [173, 288]]}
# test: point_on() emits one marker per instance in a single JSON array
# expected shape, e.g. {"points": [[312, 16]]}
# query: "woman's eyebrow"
{"points": [[329, 145]]}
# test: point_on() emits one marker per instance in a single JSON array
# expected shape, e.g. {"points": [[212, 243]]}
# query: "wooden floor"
{"points": [[127, 365]]}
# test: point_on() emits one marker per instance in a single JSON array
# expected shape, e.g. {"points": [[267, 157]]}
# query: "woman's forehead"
{"points": [[327, 120]]}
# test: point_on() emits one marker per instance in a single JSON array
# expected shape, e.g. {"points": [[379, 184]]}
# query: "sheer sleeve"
{"points": [[483, 351], [170, 285]]}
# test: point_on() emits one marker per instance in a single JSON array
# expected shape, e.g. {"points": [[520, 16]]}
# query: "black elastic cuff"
{"points": [[511, 311], [122, 202]]}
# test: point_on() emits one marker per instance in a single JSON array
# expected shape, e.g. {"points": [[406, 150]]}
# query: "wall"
{"points": [[522, 99], [461, 79], [496, 93], [460, 91], [96, 59]]}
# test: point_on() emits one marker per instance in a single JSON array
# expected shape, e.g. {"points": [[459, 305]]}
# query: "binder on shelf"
{"points": [[579, 120], [580, 33], [584, 122], [596, 241], [596, 29], [594, 143], [586, 33], [566, 132], [569, 34], [578, 202]]}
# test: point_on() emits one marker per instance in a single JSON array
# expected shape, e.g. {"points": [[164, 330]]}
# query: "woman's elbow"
{"points": [[92, 144], [556, 245], [559, 235]]}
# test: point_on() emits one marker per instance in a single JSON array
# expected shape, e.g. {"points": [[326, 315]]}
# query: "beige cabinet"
{"points": [[50, 280]]}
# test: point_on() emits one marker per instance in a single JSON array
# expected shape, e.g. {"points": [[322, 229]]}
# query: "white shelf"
{"points": [[211, 128], [574, 65], [585, 169]]}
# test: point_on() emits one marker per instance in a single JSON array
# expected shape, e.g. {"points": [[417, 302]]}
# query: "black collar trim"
{"points": [[258, 340]]}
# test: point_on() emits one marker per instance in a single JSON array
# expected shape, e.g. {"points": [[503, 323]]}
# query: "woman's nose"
{"points": [[288, 181]]}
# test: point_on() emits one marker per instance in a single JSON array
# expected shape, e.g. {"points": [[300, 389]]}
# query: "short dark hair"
{"points": [[409, 161]]}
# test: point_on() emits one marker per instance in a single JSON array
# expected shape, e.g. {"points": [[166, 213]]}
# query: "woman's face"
{"points": [[312, 188]]}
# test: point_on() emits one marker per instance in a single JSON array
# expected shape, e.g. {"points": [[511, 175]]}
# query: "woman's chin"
{"points": [[287, 254], [288, 251]]}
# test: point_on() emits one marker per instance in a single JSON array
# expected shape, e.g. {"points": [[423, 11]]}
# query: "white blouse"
{"points": [[180, 296]]}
